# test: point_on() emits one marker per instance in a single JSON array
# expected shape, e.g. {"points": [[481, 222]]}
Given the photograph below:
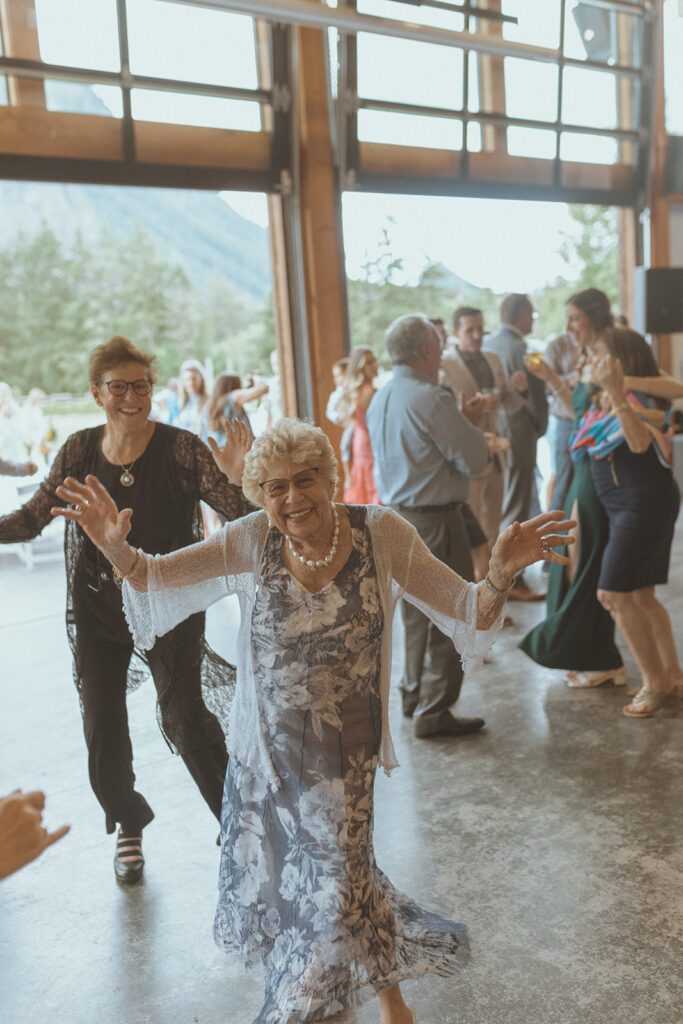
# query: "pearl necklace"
{"points": [[320, 562]]}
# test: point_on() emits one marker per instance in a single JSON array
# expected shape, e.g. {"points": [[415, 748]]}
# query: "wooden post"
{"points": [[20, 39], [660, 251], [321, 245]]}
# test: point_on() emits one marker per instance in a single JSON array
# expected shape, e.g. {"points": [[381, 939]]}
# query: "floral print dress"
{"points": [[299, 889]]}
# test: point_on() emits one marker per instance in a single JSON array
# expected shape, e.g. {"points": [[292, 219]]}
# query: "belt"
{"points": [[450, 506]]}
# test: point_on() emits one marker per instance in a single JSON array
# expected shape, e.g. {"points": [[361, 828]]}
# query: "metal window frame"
{"points": [[130, 170]]}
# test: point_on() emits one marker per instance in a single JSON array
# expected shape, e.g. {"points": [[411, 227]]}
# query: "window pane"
{"points": [[75, 98], [538, 22], [588, 149], [192, 44], [409, 12], [531, 142], [474, 137], [409, 129], [203, 111], [409, 72], [79, 33], [589, 98], [673, 67], [530, 89]]}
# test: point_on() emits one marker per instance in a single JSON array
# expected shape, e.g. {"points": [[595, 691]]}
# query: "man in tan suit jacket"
{"points": [[479, 381]]}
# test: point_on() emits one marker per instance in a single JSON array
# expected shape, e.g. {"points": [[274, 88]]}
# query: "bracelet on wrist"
{"points": [[616, 409], [124, 575], [497, 590]]}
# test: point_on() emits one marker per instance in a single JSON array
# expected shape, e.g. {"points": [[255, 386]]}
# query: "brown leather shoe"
{"points": [[522, 592]]}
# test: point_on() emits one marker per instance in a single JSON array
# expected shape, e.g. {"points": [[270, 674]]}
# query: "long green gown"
{"points": [[577, 633]]}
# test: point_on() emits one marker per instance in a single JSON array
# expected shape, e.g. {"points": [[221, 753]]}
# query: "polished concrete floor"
{"points": [[556, 835]]}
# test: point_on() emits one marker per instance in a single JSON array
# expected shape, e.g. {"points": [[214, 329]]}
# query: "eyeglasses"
{"points": [[302, 481], [120, 387]]}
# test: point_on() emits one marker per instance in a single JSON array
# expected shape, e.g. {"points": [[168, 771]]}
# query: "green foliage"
{"points": [[59, 299], [590, 250]]}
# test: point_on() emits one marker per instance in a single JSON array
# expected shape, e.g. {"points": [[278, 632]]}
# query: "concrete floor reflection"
{"points": [[555, 834]]}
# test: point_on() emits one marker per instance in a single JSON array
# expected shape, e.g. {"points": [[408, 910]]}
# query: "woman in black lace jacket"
{"points": [[161, 473]]}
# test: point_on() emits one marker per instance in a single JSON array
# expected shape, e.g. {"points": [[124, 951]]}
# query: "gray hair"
{"points": [[405, 335], [289, 440]]}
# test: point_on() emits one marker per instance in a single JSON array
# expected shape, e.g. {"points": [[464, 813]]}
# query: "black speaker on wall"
{"points": [[658, 300]]}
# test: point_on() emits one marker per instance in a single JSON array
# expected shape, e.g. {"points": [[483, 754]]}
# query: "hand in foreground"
{"points": [[497, 443], [519, 381], [608, 373], [472, 408], [95, 512], [535, 364], [230, 458], [22, 835], [523, 544]]}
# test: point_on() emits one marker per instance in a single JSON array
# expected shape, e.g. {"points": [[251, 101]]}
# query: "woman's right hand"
{"points": [[96, 513]]}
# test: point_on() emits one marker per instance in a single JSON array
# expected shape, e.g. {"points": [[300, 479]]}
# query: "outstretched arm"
{"points": [[93, 508]]}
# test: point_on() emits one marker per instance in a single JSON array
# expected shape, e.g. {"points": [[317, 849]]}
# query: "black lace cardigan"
{"points": [[197, 478]]}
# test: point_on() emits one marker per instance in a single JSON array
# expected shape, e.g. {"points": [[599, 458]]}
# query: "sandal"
{"points": [[128, 860], [646, 703], [583, 680]]}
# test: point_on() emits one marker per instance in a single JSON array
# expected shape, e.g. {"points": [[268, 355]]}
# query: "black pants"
{"points": [[432, 676], [105, 649]]}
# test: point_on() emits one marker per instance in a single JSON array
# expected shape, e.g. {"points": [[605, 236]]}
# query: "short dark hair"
{"points": [[512, 306], [114, 352], [463, 311]]}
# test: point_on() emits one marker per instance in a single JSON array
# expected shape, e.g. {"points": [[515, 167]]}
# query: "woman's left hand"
{"points": [[230, 458], [608, 373], [523, 544]]}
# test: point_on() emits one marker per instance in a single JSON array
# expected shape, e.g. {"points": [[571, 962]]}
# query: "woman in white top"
{"points": [[299, 888]]}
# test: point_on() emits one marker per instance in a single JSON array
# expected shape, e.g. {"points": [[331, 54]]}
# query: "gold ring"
{"points": [[545, 547]]}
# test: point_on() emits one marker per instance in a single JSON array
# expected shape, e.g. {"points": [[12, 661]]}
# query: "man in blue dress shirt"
{"points": [[424, 451]]}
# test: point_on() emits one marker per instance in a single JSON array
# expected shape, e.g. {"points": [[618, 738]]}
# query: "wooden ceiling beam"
{"points": [[19, 29]]}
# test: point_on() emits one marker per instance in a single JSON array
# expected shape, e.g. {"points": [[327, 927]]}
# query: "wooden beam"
{"points": [[19, 30], [201, 147], [28, 131], [627, 227], [322, 260], [381, 158], [491, 82], [281, 308], [660, 248]]}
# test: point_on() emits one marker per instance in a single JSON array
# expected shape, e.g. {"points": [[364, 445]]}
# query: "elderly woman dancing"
{"points": [[317, 582]]}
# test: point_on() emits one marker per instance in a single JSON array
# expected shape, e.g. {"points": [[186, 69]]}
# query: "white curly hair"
{"points": [[293, 440]]}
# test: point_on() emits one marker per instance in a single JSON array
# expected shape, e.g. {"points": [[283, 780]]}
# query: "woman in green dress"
{"points": [[578, 634]]}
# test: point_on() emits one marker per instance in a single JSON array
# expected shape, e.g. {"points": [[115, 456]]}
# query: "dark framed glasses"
{"points": [[120, 387], [302, 481]]}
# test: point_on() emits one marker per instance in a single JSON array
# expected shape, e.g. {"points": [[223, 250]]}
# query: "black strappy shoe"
{"points": [[128, 859]]}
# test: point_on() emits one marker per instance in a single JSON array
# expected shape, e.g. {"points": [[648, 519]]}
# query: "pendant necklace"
{"points": [[126, 479], [320, 562]]}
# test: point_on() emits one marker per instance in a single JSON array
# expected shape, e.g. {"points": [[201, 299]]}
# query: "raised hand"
{"points": [[524, 543], [608, 373], [22, 834], [230, 458], [96, 513]]}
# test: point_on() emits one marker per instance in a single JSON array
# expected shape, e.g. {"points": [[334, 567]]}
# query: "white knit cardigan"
{"points": [[166, 589]]}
